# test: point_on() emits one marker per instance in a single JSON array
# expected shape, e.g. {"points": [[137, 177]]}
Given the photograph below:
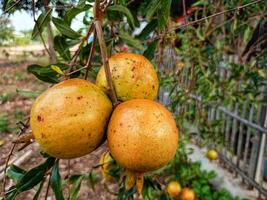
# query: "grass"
{"points": [[7, 96], [4, 123], [21, 75]]}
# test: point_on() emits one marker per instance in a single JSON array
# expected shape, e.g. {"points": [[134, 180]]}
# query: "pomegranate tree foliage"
{"points": [[201, 48]]}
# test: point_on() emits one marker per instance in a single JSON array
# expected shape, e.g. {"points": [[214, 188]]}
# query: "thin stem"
{"points": [[23, 130], [16, 3], [191, 84], [48, 184], [103, 48], [90, 58], [77, 52], [39, 30], [77, 70]]}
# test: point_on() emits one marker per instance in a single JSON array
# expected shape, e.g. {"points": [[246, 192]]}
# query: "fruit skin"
{"points": [[107, 165], [212, 154], [68, 120], [134, 77], [142, 135], [187, 194], [174, 189]]}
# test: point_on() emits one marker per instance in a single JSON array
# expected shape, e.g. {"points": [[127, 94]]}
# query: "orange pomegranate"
{"points": [[187, 194], [134, 77], [174, 189], [69, 119], [212, 154], [142, 135]]}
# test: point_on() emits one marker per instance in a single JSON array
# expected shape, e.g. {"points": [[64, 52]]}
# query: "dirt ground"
{"points": [[15, 107]]}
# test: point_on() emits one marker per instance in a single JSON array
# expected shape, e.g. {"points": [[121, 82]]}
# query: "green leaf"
{"points": [[11, 195], [148, 29], [38, 192], [61, 46], [46, 73], [15, 173], [65, 29], [42, 21], [34, 176], [164, 197], [43, 73], [71, 13], [247, 34], [57, 69], [76, 185], [164, 13], [131, 41], [125, 11], [26, 93], [150, 51], [92, 179], [55, 182], [153, 7], [200, 34], [201, 3], [7, 4]]}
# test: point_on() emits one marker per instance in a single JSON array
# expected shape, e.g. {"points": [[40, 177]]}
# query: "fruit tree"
{"points": [[105, 79]]}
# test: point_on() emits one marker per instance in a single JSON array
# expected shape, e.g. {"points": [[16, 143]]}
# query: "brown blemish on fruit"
{"points": [[43, 135], [79, 97], [40, 119]]}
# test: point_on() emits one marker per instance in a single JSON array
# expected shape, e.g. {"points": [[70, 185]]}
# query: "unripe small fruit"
{"points": [[187, 194], [212, 154], [174, 189]]}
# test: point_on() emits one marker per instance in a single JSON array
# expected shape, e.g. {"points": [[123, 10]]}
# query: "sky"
{"points": [[21, 21]]}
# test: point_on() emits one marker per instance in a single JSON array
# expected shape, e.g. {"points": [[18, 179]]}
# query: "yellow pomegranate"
{"points": [[107, 166], [212, 154], [134, 77], [187, 194], [142, 135], [68, 120], [174, 189]]}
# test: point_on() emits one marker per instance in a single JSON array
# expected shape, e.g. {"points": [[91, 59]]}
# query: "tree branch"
{"points": [[90, 58], [98, 14]]}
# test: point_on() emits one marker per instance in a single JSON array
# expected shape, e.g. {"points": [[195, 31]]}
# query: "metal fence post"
{"points": [[262, 147]]}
